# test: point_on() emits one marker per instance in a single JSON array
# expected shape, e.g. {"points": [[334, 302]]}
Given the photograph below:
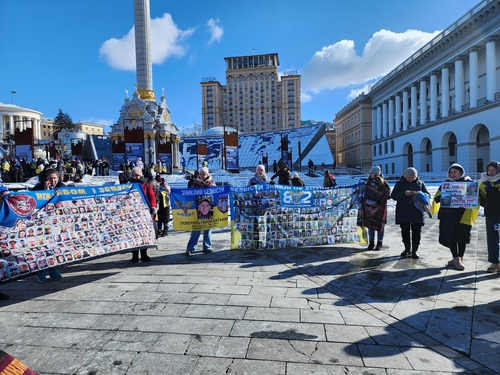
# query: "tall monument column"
{"points": [[144, 66]]}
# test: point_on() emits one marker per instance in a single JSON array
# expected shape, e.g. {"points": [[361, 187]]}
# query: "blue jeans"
{"points": [[493, 239], [195, 235], [371, 235]]}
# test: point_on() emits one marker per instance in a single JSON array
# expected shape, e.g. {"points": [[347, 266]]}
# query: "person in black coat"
{"points": [[408, 216], [283, 175], [296, 181]]}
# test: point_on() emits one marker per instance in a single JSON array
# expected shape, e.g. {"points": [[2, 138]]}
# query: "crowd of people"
{"points": [[454, 223], [19, 170]]}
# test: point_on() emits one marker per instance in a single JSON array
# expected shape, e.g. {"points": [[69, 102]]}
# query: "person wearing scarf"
{"points": [[455, 224], [489, 193], [204, 179], [260, 176]]}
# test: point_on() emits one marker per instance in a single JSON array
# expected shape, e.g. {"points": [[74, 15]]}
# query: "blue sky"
{"points": [[79, 55]]}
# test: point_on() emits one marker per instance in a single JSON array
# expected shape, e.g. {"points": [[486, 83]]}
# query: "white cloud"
{"points": [[338, 65], [166, 42], [305, 97], [354, 93], [215, 30]]}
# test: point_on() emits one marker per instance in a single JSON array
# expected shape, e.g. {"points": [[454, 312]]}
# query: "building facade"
{"points": [[255, 99], [442, 104], [354, 134], [13, 116]]}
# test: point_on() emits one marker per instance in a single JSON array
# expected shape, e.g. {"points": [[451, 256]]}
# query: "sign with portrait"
{"points": [[460, 194], [44, 229], [200, 208], [277, 216]]}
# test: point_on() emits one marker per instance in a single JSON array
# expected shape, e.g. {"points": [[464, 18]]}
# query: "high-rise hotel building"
{"points": [[255, 99]]}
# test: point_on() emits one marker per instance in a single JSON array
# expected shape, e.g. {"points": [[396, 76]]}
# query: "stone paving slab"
{"points": [[321, 310]]}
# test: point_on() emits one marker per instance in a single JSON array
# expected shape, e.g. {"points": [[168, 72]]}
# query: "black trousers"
{"points": [[412, 237]]}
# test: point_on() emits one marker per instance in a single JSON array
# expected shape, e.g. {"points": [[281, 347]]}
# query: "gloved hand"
{"points": [[153, 210], [271, 182]]}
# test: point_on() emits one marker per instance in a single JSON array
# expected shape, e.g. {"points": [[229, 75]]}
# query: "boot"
{"points": [[160, 233], [457, 263], [135, 256], [165, 232], [54, 274], [407, 252], [371, 246], [379, 245], [414, 254], [144, 255]]}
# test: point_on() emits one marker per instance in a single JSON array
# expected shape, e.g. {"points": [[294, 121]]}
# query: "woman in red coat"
{"points": [[137, 177]]}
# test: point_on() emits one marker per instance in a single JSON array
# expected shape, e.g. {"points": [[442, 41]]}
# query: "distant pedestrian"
{"points": [[310, 164], [489, 189], [329, 180], [408, 216], [296, 181], [455, 224], [275, 166]]}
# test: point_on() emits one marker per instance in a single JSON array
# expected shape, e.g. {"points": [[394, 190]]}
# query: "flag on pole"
{"points": [[13, 92]]}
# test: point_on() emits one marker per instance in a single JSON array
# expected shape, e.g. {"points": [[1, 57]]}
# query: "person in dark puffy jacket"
{"points": [[296, 181], [408, 216]]}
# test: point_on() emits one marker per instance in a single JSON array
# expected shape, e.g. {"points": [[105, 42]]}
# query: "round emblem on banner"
{"points": [[21, 204], [223, 204]]}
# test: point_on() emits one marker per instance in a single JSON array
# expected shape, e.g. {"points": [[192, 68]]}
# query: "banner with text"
{"points": [[277, 216], [460, 194], [200, 208], [43, 229]]}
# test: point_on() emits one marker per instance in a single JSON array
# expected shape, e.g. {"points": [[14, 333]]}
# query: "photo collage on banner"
{"points": [[42, 229], [200, 208], [276, 216]]}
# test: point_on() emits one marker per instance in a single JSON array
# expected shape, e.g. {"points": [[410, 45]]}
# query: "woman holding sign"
{"points": [[455, 223], [489, 188], [204, 211]]}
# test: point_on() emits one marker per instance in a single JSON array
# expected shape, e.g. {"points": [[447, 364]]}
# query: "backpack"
{"points": [[332, 182]]}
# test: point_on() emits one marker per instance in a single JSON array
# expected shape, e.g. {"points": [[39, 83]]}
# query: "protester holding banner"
{"points": [[455, 222], [3, 192], [137, 177], [329, 180], [283, 175], [163, 216], [375, 207], [489, 188], [204, 179], [48, 180], [296, 181], [260, 176], [408, 216]]}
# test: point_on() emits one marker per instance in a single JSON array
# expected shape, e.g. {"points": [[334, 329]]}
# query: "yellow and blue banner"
{"points": [[196, 209]]}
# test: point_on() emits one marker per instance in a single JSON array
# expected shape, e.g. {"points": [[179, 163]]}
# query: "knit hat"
{"points": [[204, 170], [137, 171], [327, 172], [458, 167], [410, 172], [376, 170]]}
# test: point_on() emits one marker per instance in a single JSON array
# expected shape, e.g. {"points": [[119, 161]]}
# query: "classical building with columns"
{"points": [[442, 104], [13, 116]]}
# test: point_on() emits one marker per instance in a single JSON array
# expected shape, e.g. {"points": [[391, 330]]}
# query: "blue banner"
{"points": [[44, 229], [278, 216], [200, 208]]}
